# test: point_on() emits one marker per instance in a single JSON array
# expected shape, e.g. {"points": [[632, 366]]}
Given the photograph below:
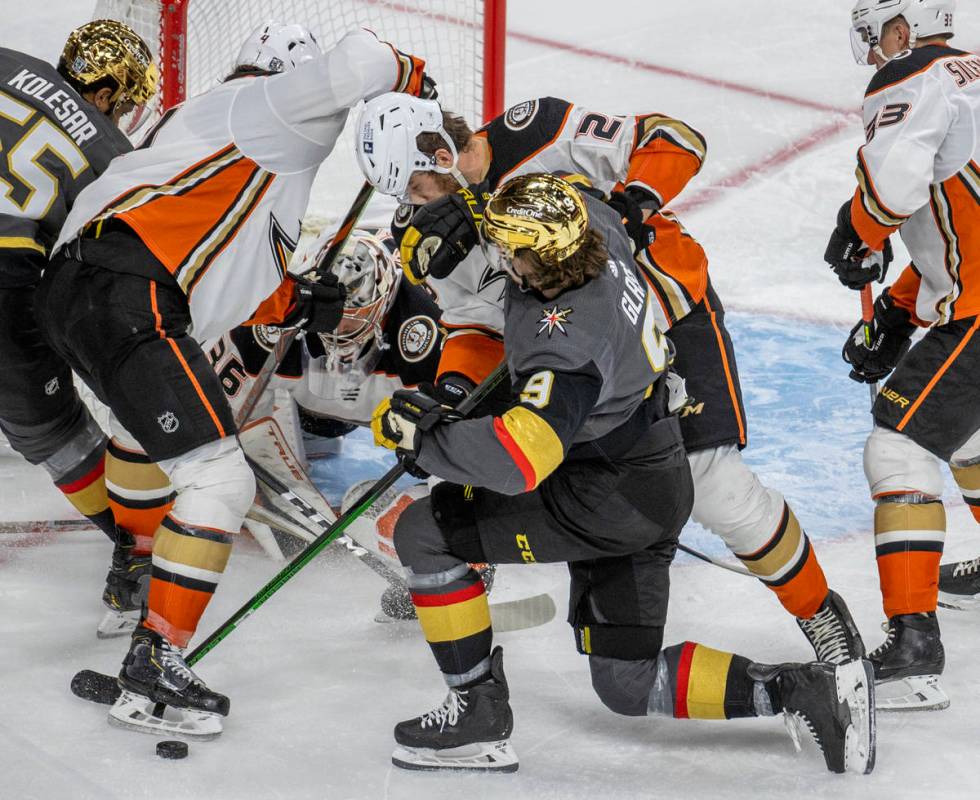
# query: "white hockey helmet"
{"points": [[386, 146], [368, 269], [925, 18], [277, 47]]}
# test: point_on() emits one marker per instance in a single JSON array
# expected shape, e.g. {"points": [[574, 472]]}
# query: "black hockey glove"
{"points": [[630, 205], [317, 306], [888, 340], [399, 422], [450, 389], [442, 233], [854, 262]]}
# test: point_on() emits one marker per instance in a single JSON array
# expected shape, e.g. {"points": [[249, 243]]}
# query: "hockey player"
{"points": [[644, 161], [388, 339], [58, 133], [586, 466], [176, 243], [917, 174]]}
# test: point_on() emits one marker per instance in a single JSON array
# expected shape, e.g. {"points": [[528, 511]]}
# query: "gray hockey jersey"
{"points": [[581, 364], [54, 144]]}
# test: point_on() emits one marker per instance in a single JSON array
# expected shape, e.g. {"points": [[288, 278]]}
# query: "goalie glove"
{"points": [[873, 356], [399, 422], [855, 264], [442, 233]]}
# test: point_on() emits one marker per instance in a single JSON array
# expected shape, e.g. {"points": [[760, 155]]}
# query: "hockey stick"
{"points": [[286, 339], [100, 688], [738, 570], [868, 315], [507, 615]]}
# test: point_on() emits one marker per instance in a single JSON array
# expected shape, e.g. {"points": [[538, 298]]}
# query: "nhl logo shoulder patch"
{"points": [[416, 337], [554, 319], [520, 116]]}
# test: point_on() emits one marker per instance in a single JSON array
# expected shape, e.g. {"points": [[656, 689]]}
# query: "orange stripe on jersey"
{"points": [[905, 290], [183, 363], [275, 307], [956, 210], [728, 371], [472, 355], [545, 146], [939, 374], [173, 226]]}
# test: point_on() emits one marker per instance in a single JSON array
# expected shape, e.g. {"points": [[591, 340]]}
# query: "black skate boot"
{"points": [[126, 588], [908, 665], [834, 703], [959, 585], [832, 632], [154, 672], [469, 731]]}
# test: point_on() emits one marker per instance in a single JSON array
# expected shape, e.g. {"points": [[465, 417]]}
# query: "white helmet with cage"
{"points": [[386, 139], [277, 47], [369, 271], [925, 18]]}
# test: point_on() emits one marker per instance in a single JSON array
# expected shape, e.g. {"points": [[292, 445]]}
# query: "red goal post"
{"points": [[195, 41]]}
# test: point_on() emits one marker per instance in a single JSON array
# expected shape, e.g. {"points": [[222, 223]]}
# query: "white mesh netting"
{"points": [[447, 33]]}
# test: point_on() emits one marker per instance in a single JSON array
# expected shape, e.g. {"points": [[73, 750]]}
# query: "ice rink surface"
{"points": [[316, 685]]}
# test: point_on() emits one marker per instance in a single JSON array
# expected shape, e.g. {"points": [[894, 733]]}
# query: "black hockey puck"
{"points": [[172, 749]]}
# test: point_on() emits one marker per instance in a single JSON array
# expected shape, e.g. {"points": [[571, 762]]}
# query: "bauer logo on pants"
{"points": [[168, 421]]}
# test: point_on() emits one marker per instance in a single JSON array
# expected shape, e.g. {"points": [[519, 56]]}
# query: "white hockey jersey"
{"points": [[919, 174], [651, 151], [219, 188]]}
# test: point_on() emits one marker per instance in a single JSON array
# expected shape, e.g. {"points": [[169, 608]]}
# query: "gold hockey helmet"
{"points": [[537, 212], [105, 48]]}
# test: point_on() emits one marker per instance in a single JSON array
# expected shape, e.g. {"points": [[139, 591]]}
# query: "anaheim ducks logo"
{"points": [[489, 277], [554, 319], [416, 337], [283, 245], [520, 116]]}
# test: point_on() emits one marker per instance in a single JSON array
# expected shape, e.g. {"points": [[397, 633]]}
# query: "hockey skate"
{"points": [[834, 703], [959, 585], [832, 632], [155, 675], [908, 665], [126, 588], [469, 731]]}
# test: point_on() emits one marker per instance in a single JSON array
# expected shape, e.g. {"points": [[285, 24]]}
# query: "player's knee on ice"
{"points": [[438, 532], [624, 686], [215, 486]]}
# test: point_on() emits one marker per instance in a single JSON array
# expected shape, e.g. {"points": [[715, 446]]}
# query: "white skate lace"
{"points": [[966, 567], [173, 662], [794, 720], [449, 711], [878, 653], [826, 632]]}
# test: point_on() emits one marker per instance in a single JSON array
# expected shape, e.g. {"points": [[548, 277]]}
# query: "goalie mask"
{"points": [[105, 48], [277, 47], [367, 269], [386, 142]]}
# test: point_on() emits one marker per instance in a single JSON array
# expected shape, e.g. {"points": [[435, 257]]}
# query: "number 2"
{"points": [[35, 188]]}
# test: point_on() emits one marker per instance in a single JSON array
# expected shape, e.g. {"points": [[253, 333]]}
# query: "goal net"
{"points": [[196, 41]]}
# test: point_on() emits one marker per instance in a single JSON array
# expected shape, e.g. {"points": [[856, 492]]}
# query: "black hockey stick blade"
{"points": [[95, 687]]}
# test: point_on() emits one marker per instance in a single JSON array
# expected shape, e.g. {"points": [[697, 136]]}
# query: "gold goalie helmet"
{"points": [[537, 212], [105, 48]]}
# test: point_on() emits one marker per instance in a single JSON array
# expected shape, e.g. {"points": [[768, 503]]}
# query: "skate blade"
{"points": [[135, 712], [117, 623], [959, 602], [478, 757], [856, 690], [915, 693]]}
